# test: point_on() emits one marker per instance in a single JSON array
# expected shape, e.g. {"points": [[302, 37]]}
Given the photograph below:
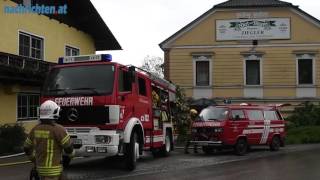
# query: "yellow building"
{"points": [[264, 51], [32, 39]]}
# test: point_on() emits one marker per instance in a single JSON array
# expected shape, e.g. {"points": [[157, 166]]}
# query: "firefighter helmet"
{"points": [[193, 112], [49, 110]]}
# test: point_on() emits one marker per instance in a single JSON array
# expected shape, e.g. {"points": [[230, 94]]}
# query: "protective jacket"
{"points": [[45, 143]]}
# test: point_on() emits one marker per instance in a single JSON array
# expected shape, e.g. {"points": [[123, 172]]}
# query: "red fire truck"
{"points": [[110, 109], [239, 127]]}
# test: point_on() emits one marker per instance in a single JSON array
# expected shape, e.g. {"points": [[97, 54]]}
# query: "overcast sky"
{"points": [[140, 25]]}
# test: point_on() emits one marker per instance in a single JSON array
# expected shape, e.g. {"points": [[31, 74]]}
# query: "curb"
{"points": [[13, 155], [14, 163]]}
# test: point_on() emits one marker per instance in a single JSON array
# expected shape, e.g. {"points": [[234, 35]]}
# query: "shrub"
{"points": [[303, 135], [307, 115], [12, 138]]}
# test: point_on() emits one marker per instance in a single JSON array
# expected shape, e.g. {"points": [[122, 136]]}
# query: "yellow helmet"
{"points": [[193, 112]]}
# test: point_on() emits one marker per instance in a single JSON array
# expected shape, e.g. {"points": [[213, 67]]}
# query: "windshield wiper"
{"points": [[90, 89]]}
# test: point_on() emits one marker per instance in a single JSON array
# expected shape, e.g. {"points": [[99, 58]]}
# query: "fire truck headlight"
{"points": [[102, 139], [218, 130]]}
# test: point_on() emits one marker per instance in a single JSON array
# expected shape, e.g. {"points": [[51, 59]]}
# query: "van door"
{"points": [[236, 125], [256, 126]]}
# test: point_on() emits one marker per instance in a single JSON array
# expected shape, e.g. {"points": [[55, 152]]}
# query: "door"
{"points": [[236, 125], [256, 126]]}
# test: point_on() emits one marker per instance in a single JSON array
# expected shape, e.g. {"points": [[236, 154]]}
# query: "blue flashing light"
{"points": [[106, 57], [85, 58]]}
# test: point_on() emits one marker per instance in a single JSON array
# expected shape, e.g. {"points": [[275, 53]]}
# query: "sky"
{"points": [[141, 25]]}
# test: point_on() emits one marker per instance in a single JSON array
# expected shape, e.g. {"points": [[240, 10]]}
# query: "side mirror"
{"points": [[236, 118]]}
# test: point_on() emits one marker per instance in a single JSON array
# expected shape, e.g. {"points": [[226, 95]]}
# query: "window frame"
{"points": [[145, 86], [253, 58], [306, 57], [73, 48], [250, 110], [31, 36], [240, 119], [119, 84], [27, 117], [202, 58]]}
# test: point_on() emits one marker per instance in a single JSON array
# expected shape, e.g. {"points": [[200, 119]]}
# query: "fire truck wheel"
{"points": [[207, 149], [241, 147], [275, 143], [165, 150], [66, 161], [132, 152]]}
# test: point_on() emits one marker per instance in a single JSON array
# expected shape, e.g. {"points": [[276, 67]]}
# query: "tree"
{"points": [[153, 65], [181, 107], [181, 113]]}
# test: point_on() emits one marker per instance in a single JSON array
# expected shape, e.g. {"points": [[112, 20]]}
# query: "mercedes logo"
{"points": [[72, 114]]}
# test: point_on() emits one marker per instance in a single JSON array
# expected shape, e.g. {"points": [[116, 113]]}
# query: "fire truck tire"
{"points": [[165, 150], [66, 161], [132, 152], [241, 147], [275, 143], [207, 149]]}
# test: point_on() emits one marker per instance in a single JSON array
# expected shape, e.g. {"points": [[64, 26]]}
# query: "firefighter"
{"points": [[47, 141], [192, 116]]}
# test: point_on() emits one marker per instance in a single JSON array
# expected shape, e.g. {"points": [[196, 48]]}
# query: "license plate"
{"points": [[76, 141]]}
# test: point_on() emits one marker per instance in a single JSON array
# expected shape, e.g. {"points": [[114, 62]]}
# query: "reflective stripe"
{"points": [[49, 152], [41, 134], [65, 139], [28, 141], [49, 171]]}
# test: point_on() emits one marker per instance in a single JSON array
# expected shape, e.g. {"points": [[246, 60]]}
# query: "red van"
{"points": [[238, 126]]}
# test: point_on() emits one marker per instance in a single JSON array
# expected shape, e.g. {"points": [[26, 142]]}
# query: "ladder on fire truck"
{"points": [[154, 77]]}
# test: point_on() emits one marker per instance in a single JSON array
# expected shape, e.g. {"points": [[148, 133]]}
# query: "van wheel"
{"points": [[165, 150], [132, 152], [275, 143], [207, 149], [241, 147]]}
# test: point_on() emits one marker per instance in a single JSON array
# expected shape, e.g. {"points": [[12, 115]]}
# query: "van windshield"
{"points": [[213, 114], [80, 80]]}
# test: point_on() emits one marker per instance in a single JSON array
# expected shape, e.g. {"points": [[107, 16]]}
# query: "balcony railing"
{"points": [[19, 68]]}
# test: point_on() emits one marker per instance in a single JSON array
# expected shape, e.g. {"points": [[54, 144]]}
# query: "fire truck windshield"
{"points": [[213, 114], [80, 80]]}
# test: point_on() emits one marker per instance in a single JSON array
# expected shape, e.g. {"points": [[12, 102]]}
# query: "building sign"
{"points": [[253, 29]]}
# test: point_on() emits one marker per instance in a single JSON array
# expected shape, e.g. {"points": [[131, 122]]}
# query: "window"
{"points": [[252, 72], [71, 51], [270, 115], [142, 86], [237, 114], [305, 71], [255, 115], [30, 46], [27, 106], [202, 72], [124, 81]]}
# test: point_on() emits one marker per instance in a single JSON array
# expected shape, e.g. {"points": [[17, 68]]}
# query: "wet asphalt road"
{"points": [[290, 163]]}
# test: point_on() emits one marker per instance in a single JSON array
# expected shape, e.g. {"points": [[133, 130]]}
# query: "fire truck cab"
{"points": [[238, 126], [110, 109]]}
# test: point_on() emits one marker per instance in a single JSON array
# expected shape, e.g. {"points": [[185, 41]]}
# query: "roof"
{"points": [[238, 4], [252, 3], [82, 15]]}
